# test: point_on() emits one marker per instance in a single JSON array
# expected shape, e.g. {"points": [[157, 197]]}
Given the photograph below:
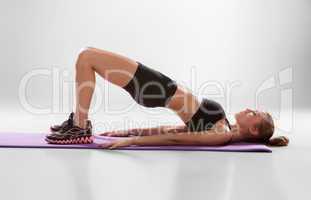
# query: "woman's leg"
{"points": [[113, 67], [118, 70]]}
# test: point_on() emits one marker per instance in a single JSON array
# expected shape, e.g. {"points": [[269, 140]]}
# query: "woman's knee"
{"points": [[85, 57], [85, 53]]}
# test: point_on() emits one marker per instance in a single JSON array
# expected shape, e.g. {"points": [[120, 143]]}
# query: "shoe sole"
{"points": [[82, 140]]}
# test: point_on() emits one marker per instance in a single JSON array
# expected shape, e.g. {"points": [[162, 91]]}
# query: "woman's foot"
{"points": [[65, 125], [71, 133]]}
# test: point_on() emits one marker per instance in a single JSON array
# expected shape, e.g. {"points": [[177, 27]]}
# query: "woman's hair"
{"points": [[266, 130]]}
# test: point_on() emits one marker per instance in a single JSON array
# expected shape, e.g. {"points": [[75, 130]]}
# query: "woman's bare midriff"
{"points": [[184, 103]]}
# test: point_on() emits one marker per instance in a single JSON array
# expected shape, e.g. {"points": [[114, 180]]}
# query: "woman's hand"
{"points": [[120, 133], [117, 143]]}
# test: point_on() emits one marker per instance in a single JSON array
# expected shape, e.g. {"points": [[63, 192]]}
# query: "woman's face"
{"points": [[248, 119]]}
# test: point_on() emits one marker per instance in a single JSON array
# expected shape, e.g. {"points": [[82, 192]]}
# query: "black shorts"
{"points": [[150, 88]]}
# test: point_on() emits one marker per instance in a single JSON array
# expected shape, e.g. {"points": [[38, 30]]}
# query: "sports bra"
{"points": [[208, 113]]}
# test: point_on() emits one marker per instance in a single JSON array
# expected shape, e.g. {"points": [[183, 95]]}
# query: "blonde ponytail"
{"points": [[278, 141]]}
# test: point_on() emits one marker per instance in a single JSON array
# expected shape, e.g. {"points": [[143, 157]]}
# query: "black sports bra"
{"points": [[206, 116]]}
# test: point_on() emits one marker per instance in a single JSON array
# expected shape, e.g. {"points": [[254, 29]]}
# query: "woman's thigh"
{"points": [[113, 67]]}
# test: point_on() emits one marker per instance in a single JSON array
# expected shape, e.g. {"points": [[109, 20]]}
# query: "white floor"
{"points": [[102, 174]]}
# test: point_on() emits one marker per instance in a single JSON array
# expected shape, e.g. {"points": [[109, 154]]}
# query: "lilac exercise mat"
{"points": [[36, 140]]}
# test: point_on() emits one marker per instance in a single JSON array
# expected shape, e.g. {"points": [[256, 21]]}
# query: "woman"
{"points": [[205, 122]]}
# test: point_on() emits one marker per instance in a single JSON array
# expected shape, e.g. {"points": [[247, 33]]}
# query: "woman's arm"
{"points": [[146, 131], [193, 138], [210, 137]]}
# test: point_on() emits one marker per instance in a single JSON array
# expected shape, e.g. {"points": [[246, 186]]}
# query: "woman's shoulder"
{"points": [[221, 126]]}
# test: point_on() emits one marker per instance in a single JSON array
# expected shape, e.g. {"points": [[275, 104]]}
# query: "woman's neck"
{"points": [[236, 136]]}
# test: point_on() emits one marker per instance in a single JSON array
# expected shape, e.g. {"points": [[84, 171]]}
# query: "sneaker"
{"points": [[65, 125], [73, 135]]}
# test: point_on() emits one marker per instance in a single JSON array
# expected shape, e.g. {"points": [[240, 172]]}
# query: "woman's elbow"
{"points": [[173, 141], [217, 142]]}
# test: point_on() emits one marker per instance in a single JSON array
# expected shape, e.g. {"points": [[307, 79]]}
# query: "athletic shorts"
{"points": [[150, 88]]}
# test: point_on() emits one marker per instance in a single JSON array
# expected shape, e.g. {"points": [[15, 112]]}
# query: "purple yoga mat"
{"points": [[36, 140]]}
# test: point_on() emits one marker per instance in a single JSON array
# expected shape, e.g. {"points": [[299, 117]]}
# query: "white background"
{"points": [[223, 41]]}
